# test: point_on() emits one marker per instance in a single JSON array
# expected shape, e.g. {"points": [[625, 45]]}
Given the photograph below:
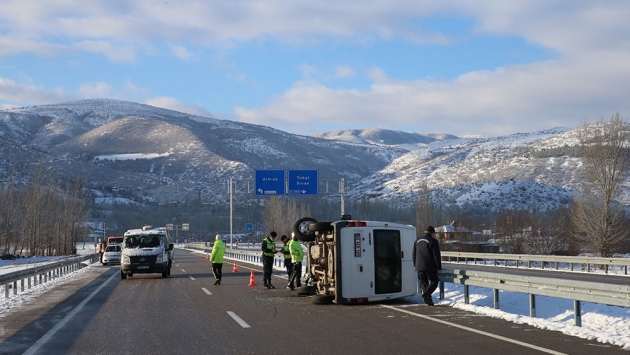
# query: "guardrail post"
{"points": [[15, 287], [577, 312], [466, 294], [496, 298], [29, 282], [532, 305], [441, 290], [22, 285], [6, 291]]}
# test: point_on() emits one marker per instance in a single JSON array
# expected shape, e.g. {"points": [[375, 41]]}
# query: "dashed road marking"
{"points": [[238, 319], [206, 291], [192, 278]]}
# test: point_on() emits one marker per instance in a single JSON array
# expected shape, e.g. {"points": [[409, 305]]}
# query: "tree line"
{"points": [[39, 216]]}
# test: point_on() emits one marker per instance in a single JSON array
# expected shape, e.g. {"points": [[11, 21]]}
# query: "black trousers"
{"points": [[296, 275], [267, 267], [217, 270], [429, 281], [289, 265]]}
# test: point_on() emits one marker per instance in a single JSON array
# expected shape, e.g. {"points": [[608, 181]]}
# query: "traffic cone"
{"points": [[252, 282], [207, 256], [234, 269]]}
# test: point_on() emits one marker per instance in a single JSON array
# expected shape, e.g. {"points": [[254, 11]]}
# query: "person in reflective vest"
{"points": [[268, 251], [287, 255], [297, 255], [218, 250]]}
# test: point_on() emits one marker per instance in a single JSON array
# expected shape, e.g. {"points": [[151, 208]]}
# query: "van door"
{"points": [[387, 261]]}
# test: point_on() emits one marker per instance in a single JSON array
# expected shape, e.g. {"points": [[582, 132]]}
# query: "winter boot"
{"points": [[270, 285], [266, 284]]}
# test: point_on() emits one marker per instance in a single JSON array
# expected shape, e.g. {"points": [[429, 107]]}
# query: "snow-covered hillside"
{"points": [[178, 156]]}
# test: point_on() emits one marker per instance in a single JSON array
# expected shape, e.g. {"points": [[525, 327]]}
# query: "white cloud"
{"points": [[181, 53], [17, 93], [115, 54], [507, 100], [343, 72], [95, 90], [173, 104]]}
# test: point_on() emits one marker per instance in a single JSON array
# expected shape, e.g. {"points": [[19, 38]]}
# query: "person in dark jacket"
{"points": [[427, 261]]}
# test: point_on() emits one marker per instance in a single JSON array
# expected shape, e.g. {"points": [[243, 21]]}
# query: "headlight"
{"points": [[125, 259], [158, 260]]}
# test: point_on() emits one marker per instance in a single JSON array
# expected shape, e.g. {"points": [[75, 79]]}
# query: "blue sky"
{"points": [[481, 68]]}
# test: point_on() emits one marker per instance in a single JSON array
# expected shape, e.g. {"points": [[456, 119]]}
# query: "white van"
{"points": [[146, 250], [352, 261]]}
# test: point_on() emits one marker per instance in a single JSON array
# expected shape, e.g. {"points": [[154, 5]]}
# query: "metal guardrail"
{"points": [[586, 263], [39, 274], [578, 291], [249, 255]]}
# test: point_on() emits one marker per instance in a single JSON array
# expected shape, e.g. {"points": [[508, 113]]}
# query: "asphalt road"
{"points": [[98, 313]]}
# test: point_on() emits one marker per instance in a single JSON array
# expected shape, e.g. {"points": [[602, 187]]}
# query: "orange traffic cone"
{"points": [[252, 282], [207, 256], [234, 269]]}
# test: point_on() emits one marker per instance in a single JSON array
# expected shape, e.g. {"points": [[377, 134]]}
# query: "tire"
{"points": [[300, 228], [319, 299], [165, 273], [320, 227], [123, 275], [306, 290], [104, 264]]}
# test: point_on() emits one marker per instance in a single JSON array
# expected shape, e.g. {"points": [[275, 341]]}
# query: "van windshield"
{"points": [[143, 241]]}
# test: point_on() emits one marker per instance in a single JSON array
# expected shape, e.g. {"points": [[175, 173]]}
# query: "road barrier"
{"points": [[585, 263], [578, 291], [39, 274]]}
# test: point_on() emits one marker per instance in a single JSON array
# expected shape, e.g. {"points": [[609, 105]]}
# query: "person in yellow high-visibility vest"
{"points": [[218, 250], [297, 255], [288, 264], [268, 250]]}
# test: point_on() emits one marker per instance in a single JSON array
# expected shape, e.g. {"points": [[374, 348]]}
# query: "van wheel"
{"points": [[123, 275], [301, 230], [165, 273], [319, 299], [104, 264], [306, 290]]}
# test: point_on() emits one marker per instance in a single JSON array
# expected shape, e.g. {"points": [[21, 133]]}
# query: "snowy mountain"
{"points": [[149, 154]]}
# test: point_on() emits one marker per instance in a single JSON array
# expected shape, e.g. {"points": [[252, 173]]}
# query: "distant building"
{"points": [[453, 232], [454, 237]]}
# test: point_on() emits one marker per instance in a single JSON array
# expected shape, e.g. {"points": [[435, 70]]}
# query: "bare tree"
{"points": [[281, 213], [597, 216], [423, 207]]}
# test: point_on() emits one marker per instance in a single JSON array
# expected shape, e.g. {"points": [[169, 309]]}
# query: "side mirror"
{"points": [[170, 246]]}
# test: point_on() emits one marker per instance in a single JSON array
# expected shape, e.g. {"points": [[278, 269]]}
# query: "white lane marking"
{"points": [[545, 350], [183, 270], [206, 291], [238, 319], [35, 347], [192, 278]]}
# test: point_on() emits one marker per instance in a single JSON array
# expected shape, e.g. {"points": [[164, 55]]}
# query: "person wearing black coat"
{"points": [[427, 261]]}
